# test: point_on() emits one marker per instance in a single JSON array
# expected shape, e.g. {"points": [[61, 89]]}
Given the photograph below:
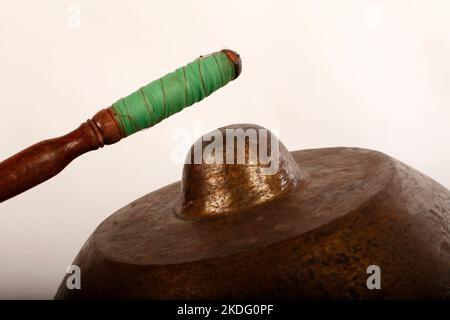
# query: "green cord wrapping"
{"points": [[172, 93]]}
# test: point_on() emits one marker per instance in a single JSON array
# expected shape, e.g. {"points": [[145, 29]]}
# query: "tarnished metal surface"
{"points": [[214, 188], [348, 208]]}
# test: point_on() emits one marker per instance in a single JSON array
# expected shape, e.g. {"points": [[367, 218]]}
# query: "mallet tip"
{"points": [[235, 58]]}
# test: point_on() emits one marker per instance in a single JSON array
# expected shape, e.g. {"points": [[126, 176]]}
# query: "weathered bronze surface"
{"points": [[212, 189], [343, 210]]}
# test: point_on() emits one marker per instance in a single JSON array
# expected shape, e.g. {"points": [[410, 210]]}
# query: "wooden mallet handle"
{"points": [[47, 158]]}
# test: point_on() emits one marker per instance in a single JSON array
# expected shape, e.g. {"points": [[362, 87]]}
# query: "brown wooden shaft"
{"points": [[47, 158]]}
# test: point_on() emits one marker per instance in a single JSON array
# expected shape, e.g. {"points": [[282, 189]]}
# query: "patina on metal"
{"points": [[309, 231], [216, 187]]}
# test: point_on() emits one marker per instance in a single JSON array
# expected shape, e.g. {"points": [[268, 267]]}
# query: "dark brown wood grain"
{"points": [[45, 159]]}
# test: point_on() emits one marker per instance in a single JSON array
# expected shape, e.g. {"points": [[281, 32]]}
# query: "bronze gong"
{"points": [[310, 230]]}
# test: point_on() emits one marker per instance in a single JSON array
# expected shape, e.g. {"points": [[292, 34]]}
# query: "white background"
{"points": [[373, 74]]}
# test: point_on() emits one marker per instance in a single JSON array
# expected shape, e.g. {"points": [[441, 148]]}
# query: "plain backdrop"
{"points": [[372, 74]]}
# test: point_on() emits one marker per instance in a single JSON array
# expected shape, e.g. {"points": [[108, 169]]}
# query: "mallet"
{"points": [[142, 109]]}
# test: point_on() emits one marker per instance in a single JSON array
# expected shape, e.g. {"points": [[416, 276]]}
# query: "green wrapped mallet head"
{"points": [[175, 91]]}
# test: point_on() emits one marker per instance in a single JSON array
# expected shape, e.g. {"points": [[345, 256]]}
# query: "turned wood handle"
{"points": [[47, 158]]}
